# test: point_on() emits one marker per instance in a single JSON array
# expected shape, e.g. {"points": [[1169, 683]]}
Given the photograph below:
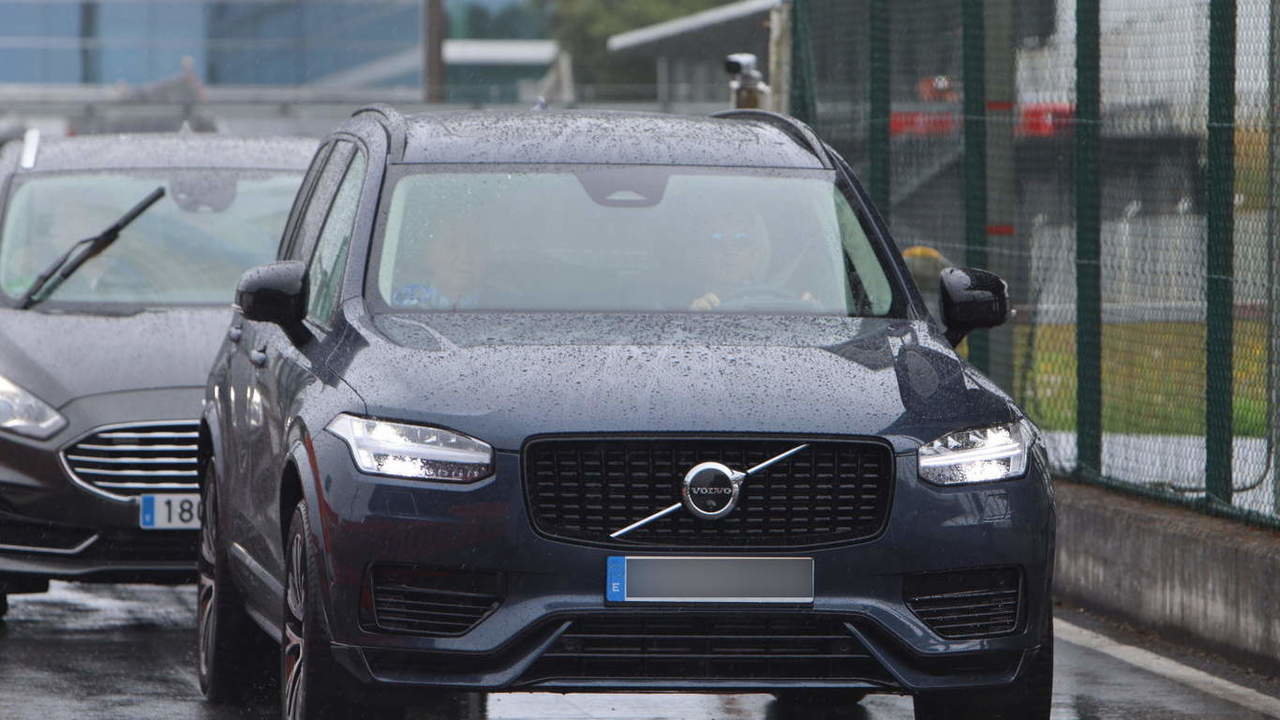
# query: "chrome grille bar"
{"points": [[122, 461]]}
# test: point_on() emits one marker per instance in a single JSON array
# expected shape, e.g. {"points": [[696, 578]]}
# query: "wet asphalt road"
{"points": [[89, 652]]}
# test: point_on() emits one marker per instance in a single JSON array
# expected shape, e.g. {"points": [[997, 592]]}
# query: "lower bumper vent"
{"points": [[424, 601], [146, 546], [967, 604], [19, 535], [744, 647]]}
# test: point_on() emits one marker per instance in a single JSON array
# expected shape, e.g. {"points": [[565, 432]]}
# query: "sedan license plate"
{"points": [[169, 511], [709, 579]]}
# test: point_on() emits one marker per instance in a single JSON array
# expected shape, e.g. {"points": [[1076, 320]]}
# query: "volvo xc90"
{"points": [[578, 401]]}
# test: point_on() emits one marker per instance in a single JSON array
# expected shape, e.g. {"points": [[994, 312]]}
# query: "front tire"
{"points": [[230, 649], [4, 605], [310, 686], [1029, 698]]}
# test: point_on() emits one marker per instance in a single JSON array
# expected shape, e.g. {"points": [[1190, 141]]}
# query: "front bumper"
{"points": [[549, 585], [55, 528]]}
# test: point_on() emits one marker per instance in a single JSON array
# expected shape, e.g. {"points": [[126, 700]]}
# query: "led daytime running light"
{"points": [[416, 452], [979, 455]]}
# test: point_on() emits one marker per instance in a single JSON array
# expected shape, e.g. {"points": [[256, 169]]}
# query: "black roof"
{"points": [[195, 150], [572, 136]]}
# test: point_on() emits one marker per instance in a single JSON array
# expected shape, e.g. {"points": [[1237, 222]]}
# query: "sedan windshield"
{"points": [[624, 239], [189, 249]]}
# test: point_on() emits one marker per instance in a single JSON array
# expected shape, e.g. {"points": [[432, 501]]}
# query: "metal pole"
{"points": [[780, 57], [1088, 242], [803, 101], [973, 56], [664, 82], [1220, 202], [434, 77], [90, 72], [1273, 226], [1008, 258], [879, 152]]}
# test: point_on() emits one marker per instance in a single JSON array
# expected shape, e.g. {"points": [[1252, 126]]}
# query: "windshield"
{"points": [[188, 249], [624, 239]]}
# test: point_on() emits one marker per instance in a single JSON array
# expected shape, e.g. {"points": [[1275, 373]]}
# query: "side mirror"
{"points": [[275, 293], [972, 299]]}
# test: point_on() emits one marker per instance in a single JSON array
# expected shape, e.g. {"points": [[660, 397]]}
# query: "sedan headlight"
{"points": [[413, 451], [981, 455], [25, 414]]}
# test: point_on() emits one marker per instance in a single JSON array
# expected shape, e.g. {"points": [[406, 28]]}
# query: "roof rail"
{"points": [[794, 128], [394, 123]]}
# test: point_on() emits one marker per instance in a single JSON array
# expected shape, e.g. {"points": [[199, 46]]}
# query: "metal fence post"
{"points": [[803, 99], [1220, 204], [1273, 257], [1088, 242], [1003, 241], [879, 152], [973, 60]]}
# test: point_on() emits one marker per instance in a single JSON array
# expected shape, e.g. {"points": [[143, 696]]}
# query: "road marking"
{"points": [[1163, 666]]}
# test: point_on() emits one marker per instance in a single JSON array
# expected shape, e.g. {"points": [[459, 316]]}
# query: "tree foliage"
{"points": [[583, 26]]}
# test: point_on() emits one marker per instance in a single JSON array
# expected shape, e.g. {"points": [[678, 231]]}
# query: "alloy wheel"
{"points": [[294, 664], [207, 594]]}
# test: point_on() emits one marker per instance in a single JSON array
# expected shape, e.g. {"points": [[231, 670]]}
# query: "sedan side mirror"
{"points": [[275, 293], [972, 299]]}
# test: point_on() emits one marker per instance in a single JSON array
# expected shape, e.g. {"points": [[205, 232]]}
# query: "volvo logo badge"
{"points": [[710, 490]]}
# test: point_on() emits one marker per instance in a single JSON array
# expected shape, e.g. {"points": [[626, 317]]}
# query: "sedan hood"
{"points": [[61, 357], [496, 376]]}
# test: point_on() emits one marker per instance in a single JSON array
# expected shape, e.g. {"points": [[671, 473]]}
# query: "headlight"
{"points": [[25, 414], [413, 451], [982, 455]]}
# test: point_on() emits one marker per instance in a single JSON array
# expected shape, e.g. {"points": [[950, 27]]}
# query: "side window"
{"points": [[324, 277], [300, 202], [312, 219]]}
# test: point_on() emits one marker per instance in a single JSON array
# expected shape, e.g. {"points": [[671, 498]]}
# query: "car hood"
{"points": [[497, 376], [60, 357]]}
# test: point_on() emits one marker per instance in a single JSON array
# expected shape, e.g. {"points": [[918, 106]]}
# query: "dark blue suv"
{"points": [[580, 401]]}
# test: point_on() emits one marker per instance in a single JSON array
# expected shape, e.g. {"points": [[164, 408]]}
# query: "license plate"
{"points": [[169, 511], [709, 579]]}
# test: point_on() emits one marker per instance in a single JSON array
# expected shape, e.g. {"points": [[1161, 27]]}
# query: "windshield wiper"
{"points": [[66, 264]]}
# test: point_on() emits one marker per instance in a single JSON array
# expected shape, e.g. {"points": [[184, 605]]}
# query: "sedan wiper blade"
{"points": [[88, 248]]}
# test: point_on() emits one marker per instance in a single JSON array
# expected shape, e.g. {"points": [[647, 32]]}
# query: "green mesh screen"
{"points": [[1162, 377]]}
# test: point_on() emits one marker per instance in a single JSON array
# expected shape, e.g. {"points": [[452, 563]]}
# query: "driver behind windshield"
{"points": [[736, 253], [451, 262]]}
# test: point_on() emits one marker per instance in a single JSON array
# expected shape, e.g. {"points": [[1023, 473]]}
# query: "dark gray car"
{"points": [[101, 370], [573, 401]]}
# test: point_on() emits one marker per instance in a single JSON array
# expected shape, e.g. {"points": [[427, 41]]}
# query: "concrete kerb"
{"points": [[1207, 581]]}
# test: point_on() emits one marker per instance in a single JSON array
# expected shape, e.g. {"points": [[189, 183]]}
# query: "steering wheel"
{"points": [[753, 297]]}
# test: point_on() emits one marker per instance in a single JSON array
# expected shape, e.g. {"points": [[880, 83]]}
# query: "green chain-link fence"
{"points": [[1116, 161]]}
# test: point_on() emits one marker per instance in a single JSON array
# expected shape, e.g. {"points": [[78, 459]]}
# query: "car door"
{"points": [[252, 407], [294, 359], [237, 375]]}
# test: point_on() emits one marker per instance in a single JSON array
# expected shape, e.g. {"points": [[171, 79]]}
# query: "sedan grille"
{"points": [[967, 604], [136, 459], [707, 646], [424, 601], [585, 488]]}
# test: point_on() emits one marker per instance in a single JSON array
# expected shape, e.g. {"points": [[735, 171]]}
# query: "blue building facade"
{"points": [[237, 42]]}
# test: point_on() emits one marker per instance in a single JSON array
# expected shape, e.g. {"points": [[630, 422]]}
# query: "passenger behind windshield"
{"points": [[623, 239], [189, 249]]}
